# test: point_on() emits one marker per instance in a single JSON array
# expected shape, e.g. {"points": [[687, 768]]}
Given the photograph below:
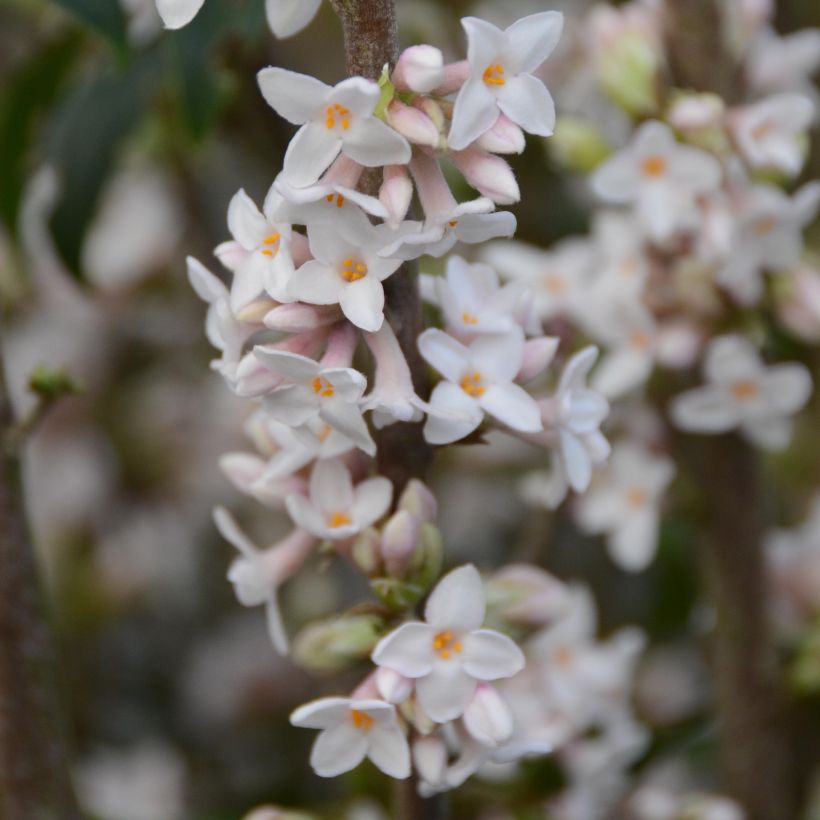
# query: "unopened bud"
{"points": [[366, 553], [490, 175], [526, 595], [487, 717], [276, 813], [418, 499], [430, 758], [538, 353], [297, 317], [337, 643], [577, 144], [428, 556], [400, 537], [392, 686], [412, 123], [627, 70], [505, 137], [396, 193], [419, 68], [432, 109]]}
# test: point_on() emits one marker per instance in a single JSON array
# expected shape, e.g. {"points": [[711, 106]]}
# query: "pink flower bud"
{"points": [[505, 137], [419, 68], [396, 193], [695, 111], [231, 254], [538, 353], [298, 317], [455, 75], [527, 595], [366, 553], [413, 124], [491, 176], [400, 537], [340, 346], [392, 686], [430, 758], [433, 111], [418, 500], [487, 717]]}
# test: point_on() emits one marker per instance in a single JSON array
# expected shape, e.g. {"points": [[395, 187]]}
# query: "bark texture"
{"points": [[34, 780]]}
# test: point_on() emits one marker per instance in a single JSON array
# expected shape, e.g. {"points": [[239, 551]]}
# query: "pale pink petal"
{"points": [[445, 692], [372, 143], [371, 501], [531, 40], [331, 489], [475, 112], [444, 353], [513, 406], [321, 714], [338, 749], [489, 655], [362, 302], [296, 97], [407, 650], [457, 602], [309, 153], [388, 749], [526, 101]]}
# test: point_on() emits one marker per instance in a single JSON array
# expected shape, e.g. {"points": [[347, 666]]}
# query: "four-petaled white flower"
{"points": [[257, 574], [625, 504], [449, 653], [660, 177], [479, 379], [259, 255], [333, 119], [743, 393], [346, 270], [501, 81], [335, 509], [352, 729], [332, 394]]}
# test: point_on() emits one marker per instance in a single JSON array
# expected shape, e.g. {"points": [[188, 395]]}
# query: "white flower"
{"points": [[335, 509], [770, 133], [449, 653], [259, 254], [351, 730], [333, 119], [479, 379], [660, 177], [620, 257], [348, 270], [768, 235], [501, 65], [285, 17], [743, 393], [784, 63], [573, 415], [310, 390], [474, 303], [258, 574], [625, 504]]}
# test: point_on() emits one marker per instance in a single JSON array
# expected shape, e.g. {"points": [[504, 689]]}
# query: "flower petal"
{"points": [[407, 650], [331, 489], [457, 602], [371, 143], [316, 283], [310, 152], [489, 655], [531, 40], [178, 13], [444, 353], [295, 97], [290, 366], [445, 692], [371, 500], [526, 101], [513, 406], [452, 415], [287, 17], [389, 751], [346, 417], [321, 713], [362, 302], [474, 113], [338, 749], [704, 410]]}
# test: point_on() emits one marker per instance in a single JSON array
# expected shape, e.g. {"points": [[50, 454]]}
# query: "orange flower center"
{"points": [[273, 241], [554, 283], [340, 200], [322, 387], [352, 270], [338, 519], [745, 390], [361, 720], [639, 339], [764, 225], [654, 166], [562, 656], [336, 112], [469, 318], [494, 74], [445, 643], [636, 497], [472, 386]]}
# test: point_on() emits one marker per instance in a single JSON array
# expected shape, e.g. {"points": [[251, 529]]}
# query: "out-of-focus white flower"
{"points": [[352, 729], [620, 263], [526, 594], [335, 509], [479, 380], [259, 254], [660, 177], [258, 574], [487, 717], [449, 653], [768, 235], [657, 802], [311, 390], [770, 133], [332, 119], [797, 294], [500, 80], [285, 17], [625, 504], [741, 392], [785, 63], [346, 270]]}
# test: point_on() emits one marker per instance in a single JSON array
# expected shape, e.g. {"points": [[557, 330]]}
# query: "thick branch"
{"points": [[34, 782]]}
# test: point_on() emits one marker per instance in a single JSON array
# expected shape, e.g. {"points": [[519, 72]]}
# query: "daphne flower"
{"points": [[347, 270], [248, 473], [259, 255], [660, 177], [285, 17], [501, 65], [741, 392], [625, 504], [331, 394], [258, 574], [770, 133], [474, 303], [333, 119], [479, 379], [449, 653], [785, 63], [352, 729], [335, 509]]}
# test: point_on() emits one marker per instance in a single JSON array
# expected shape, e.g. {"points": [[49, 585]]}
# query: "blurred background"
{"points": [[120, 147]]}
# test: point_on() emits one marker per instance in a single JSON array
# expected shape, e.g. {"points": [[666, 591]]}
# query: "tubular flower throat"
{"points": [[352, 270]]}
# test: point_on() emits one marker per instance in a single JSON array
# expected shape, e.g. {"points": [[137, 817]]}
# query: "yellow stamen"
{"points": [[352, 270], [745, 390], [764, 225], [361, 720], [562, 656], [445, 643], [472, 386], [654, 165], [452, 223], [338, 519], [469, 318], [640, 339], [636, 497], [271, 239], [322, 387], [554, 283], [337, 112], [494, 75]]}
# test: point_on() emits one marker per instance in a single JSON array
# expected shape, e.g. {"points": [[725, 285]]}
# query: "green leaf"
{"points": [[104, 16]]}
